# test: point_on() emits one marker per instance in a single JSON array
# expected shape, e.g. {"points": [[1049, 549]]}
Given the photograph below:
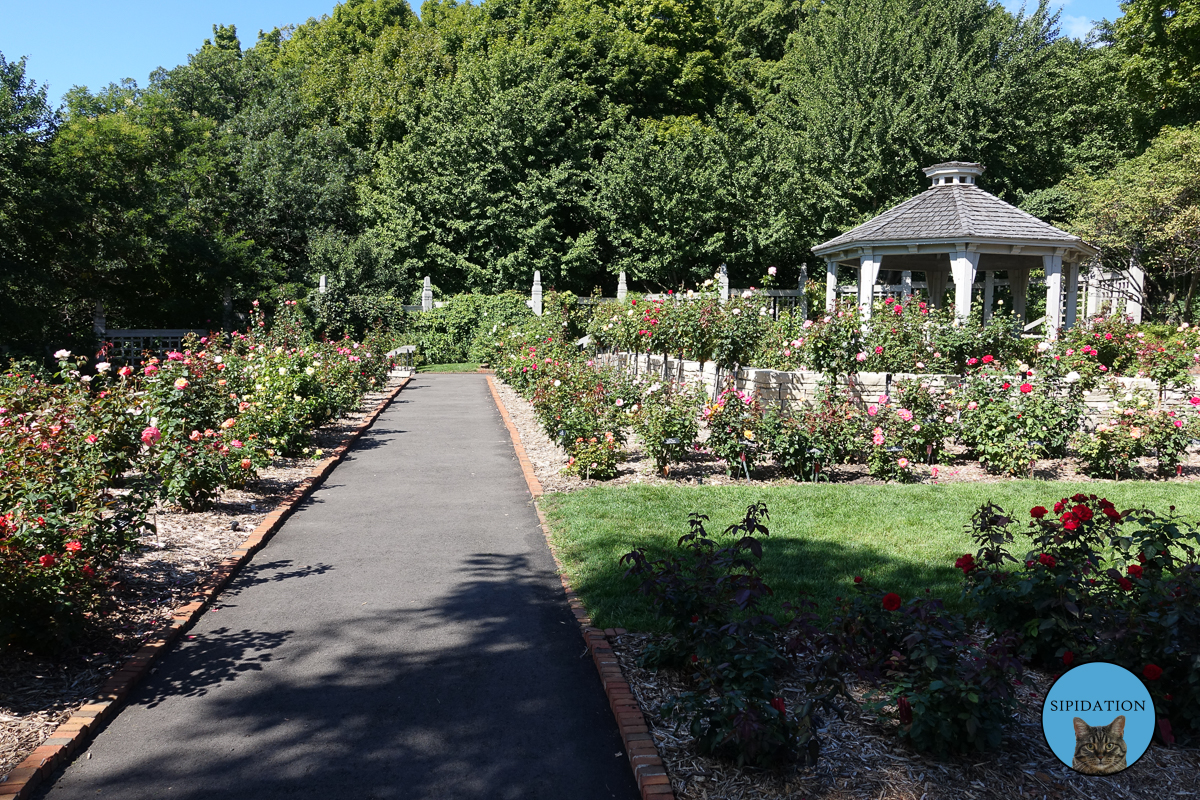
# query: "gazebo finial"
{"points": [[951, 172]]}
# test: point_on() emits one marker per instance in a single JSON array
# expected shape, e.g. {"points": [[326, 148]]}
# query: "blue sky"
{"points": [[96, 42]]}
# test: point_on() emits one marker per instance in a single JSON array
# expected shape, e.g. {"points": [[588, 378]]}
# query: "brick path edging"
{"points": [[72, 736], [648, 768]]}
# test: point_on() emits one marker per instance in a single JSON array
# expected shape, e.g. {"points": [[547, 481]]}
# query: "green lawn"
{"points": [[901, 538], [449, 368]]}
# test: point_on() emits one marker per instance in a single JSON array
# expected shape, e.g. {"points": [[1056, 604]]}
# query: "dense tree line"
{"points": [[478, 143]]}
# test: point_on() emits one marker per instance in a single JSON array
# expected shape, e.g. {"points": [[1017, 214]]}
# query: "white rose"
{"points": [[103, 366], [62, 354]]}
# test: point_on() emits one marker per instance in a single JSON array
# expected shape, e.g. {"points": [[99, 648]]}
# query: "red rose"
{"points": [[1029, 564], [1070, 523], [1125, 584], [1079, 498], [1152, 672], [74, 547], [1112, 513], [695, 658], [778, 704], [858, 578], [1104, 503], [695, 618], [966, 563], [1048, 560], [1141, 558], [48, 561], [87, 571], [1037, 512], [1068, 657], [1083, 512], [1026, 388], [1134, 570], [1059, 506], [891, 601], [1006, 385], [988, 359]]}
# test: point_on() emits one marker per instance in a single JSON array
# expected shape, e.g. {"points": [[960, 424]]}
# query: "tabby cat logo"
{"points": [[1098, 718]]}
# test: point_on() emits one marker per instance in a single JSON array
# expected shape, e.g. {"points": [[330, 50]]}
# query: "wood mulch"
{"points": [[36, 694], [860, 758]]}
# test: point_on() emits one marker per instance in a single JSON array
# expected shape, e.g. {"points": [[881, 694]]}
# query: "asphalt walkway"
{"points": [[402, 636]]}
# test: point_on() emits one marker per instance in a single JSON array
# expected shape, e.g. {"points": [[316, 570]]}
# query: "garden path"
{"points": [[404, 635]]}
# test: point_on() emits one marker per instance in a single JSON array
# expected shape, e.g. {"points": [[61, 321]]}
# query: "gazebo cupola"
{"points": [[956, 230]]}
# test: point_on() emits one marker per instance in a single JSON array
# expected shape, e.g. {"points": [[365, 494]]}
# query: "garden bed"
{"points": [[37, 694], [860, 759], [549, 459]]}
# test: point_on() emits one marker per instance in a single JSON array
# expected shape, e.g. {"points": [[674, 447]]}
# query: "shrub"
{"points": [[1008, 421], [733, 420], [595, 458], [951, 693], [1098, 583], [709, 598], [665, 420]]}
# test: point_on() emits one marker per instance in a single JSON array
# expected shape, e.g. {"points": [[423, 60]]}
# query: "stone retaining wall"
{"points": [[802, 385]]}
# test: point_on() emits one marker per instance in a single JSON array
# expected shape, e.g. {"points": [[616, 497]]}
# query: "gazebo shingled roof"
{"points": [[957, 211], [946, 230]]}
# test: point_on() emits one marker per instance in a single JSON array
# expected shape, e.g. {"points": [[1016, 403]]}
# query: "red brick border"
{"points": [[73, 735], [648, 768]]}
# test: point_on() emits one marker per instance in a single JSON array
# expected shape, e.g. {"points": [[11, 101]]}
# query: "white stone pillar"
{"points": [[622, 288], [1092, 289], [1053, 267], [830, 284], [1018, 282], [427, 296], [963, 267], [536, 303], [99, 323], [989, 294], [868, 273], [1135, 293], [1072, 270], [906, 284], [723, 283], [802, 300], [321, 285]]}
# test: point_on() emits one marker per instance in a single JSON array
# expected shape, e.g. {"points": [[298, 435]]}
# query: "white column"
{"points": [[906, 284], [830, 284], [321, 286], [1092, 288], [99, 323], [427, 296], [1072, 270], [1135, 294], [989, 293], [868, 273], [723, 282], [802, 300], [963, 267], [1053, 267], [622, 288], [1018, 282], [536, 303]]}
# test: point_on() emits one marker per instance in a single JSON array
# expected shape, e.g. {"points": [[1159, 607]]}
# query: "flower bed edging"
{"points": [[648, 768], [73, 735]]}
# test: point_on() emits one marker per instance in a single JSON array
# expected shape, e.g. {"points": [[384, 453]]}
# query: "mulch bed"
{"points": [[37, 694], [860, 758]]}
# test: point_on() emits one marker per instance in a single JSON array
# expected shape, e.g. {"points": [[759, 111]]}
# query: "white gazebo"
{"points": [[956, 230]]}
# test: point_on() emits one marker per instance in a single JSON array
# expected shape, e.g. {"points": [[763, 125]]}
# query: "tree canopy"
{"points": [[479, 143]]}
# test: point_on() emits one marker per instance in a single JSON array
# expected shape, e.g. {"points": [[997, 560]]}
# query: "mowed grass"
{"points": [[900, 538], [448, 368]]}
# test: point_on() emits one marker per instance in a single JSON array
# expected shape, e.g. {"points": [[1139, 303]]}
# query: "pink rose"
{"points": [[151, 435]]}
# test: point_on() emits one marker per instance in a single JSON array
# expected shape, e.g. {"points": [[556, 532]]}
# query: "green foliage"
{"points": [[733, 419], [1098, 584], [666, 421]]}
